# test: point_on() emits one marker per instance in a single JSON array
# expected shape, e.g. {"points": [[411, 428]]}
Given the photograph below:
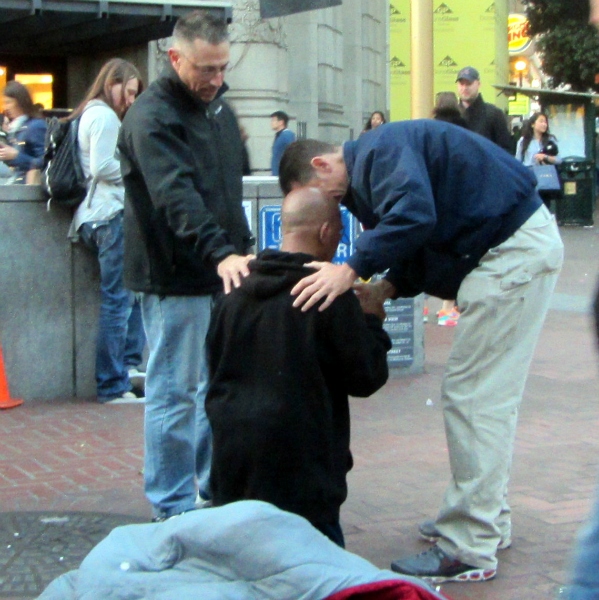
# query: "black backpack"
{"points": [[62, 176]]}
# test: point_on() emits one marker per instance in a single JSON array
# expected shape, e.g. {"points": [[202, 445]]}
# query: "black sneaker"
{"points": [[436, 566], [429, 532]]}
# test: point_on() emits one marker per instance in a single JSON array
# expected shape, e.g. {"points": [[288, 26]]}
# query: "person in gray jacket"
{"points": [[186, 236], [98, 222]]}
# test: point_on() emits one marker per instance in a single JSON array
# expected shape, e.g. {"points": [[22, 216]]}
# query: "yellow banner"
{"points": [[465, 35], [400, 61]]}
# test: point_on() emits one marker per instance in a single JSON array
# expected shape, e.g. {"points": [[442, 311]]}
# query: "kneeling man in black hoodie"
{"points": [[280, 378]]}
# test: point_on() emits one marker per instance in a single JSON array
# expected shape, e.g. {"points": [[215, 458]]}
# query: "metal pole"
{"points": [[422, 58]]}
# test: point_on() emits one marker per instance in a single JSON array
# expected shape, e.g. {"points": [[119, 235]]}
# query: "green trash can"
{"points": [[577, 203]]}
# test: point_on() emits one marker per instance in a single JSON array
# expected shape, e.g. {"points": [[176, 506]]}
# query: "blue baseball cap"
{"points": [[469, 74]]}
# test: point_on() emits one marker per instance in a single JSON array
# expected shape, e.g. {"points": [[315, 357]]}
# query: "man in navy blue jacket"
{"points": [[449, 213]]}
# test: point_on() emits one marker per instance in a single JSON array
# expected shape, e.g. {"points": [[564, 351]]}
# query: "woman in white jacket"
{"points": [[98, 221]]}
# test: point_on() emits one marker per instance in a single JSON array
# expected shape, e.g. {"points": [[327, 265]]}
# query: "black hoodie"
{"points": [[279, 385]]}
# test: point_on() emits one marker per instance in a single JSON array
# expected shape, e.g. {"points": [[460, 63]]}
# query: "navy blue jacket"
{"points": [[434, 198], [282, 139], [29, 141]]}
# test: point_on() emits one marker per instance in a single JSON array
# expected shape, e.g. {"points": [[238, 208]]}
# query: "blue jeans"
{"points": [[178, 439], [105, 238], [585, 575], [136, 338]]}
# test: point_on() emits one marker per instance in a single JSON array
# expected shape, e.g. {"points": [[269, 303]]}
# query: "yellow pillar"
{"points": [[422, 58]]}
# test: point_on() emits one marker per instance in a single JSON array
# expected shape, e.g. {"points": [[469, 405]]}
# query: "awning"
{"points": [[71, 27], [281, 8], [547, 95]]}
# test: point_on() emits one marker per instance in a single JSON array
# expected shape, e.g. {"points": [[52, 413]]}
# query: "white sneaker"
{"points": [[127, 398], [202, 502], [137, 377]]}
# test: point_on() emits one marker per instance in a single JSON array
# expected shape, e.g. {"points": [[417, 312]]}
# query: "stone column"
{"points": [[422, 58], [302, 41], [259, 78]]}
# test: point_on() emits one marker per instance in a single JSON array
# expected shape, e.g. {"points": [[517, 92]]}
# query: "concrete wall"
{"points": [[326, 68], [49, 298]]}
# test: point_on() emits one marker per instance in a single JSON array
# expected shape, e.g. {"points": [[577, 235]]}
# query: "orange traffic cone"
{"points": [[5, 400]]}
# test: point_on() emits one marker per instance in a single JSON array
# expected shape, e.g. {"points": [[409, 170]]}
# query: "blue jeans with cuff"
{"points": [[178, 438], [105, 239], [136, 338]]}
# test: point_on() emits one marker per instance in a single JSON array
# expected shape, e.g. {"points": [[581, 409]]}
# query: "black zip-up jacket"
{"points": [[279, 384], [489, 121], [182, 167]]}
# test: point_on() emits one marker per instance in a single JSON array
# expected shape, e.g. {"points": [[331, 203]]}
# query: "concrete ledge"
{"points": [[21, 193], [49, 301], [49, 298]]}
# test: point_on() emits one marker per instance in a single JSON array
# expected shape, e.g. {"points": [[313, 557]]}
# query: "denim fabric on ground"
{"points": [[178, 441]]}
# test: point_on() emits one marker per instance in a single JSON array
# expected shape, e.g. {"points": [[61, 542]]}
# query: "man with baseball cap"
{"points": [[482, 117]]}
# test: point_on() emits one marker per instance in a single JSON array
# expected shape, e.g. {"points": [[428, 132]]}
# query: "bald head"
{"points": [[311, 223]]}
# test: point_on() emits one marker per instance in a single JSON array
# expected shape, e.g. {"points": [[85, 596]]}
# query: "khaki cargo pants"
{"points": [[503, 302]]}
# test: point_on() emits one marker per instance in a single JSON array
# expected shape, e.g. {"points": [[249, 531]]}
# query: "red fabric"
{"points": [[392, 589]]}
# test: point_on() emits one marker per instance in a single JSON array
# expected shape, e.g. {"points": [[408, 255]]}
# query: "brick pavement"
{"points": [[75, 455]]}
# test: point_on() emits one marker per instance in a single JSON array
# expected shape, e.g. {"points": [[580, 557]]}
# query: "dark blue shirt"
{"points": [[434, 199], [282, 139], [29, 141]]}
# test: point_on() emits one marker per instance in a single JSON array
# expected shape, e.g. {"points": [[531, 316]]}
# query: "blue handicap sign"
{"points": [[270, 227], [270, 235]]}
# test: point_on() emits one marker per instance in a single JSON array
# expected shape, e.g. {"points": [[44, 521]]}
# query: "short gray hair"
{"points": [[203, 25]]}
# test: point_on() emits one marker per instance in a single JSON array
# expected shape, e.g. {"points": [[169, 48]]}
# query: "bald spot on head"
{"points": [[306, 207], [311, 223]]}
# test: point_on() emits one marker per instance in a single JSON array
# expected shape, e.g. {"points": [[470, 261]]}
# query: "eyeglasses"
{"points": [[206, 72]]}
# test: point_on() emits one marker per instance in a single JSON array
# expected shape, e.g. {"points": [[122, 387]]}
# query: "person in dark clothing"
{"points": [[283, 137], [447, 109], [482, 118], [448, 213], [246, 168], [280, 379], [186, 236]]}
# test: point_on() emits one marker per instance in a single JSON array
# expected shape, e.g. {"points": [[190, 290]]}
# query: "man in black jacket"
{"points": [[482, 118], [185, 237], [280, 378]]}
